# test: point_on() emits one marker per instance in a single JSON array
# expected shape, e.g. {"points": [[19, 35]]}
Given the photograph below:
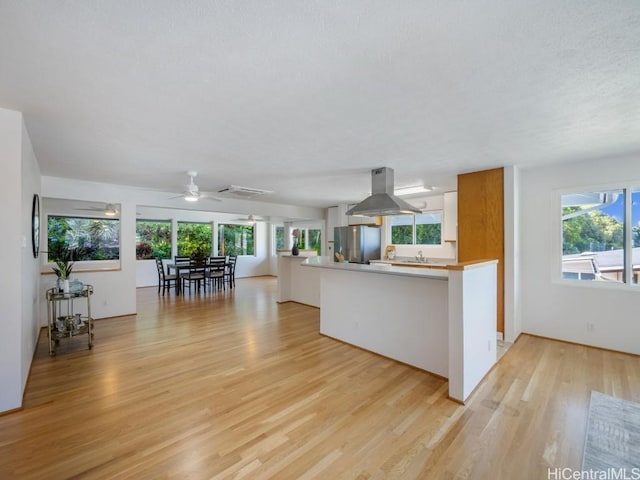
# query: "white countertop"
{"points": [[383, 268]]}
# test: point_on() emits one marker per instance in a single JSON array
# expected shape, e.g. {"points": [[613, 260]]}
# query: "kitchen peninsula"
{"points": [[442, 320]]}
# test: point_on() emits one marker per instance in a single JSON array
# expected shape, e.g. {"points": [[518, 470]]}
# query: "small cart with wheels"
{"points": [[63, 321]]}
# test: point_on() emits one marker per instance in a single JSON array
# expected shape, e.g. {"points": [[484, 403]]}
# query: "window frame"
{"points": [[557, 231], [177, 246], [82, 265], [151, 220], [414, 230], [274, 239], [236, 224]]}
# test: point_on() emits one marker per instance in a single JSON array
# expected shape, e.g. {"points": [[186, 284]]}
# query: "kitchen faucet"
{"points": [[419, 257]]}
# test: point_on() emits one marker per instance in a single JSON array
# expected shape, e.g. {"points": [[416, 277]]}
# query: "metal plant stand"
{"points": [[62, 319]]}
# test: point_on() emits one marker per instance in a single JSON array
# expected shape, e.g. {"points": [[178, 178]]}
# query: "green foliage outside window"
{"points": [[236, 239], [279, 237], [195, 239], [315, 242], [402, 234], [427, 228], [153, 239], [593, 232], [83, 238]]}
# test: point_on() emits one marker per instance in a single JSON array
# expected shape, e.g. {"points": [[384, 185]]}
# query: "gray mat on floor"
{"points": [[613, 434]]}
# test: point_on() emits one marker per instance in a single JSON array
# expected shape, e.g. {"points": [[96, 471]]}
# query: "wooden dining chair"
{"points": [[230, 271], [215, 273], [195, 274], [165, 279]]}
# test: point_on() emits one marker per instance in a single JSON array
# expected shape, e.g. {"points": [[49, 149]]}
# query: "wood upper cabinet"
{"points": [[481, 223]]}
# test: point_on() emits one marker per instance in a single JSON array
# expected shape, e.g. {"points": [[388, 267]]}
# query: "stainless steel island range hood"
{"points": [[382, 200]]}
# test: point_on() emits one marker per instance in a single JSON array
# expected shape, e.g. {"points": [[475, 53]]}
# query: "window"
{"points": [[278, 238], [601, 235], [421, 229], [314, 240], [195, 239], [86, 238], [153, 239], [236, 239]]}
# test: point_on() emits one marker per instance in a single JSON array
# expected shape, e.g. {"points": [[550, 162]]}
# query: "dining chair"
{"points": [[230, 271], [181, 258], [215, 274], [195, 274], [165, 279]]}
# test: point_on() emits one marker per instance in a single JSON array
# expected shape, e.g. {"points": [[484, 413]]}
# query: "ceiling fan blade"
{"points": [[208, 197]]}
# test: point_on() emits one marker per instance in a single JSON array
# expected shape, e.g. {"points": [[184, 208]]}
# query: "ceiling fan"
{"points": [[250, 219], [109, 209], [192, 193]]}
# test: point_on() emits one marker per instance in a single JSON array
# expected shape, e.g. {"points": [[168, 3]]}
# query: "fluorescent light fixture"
{"points": [[411, 190]]}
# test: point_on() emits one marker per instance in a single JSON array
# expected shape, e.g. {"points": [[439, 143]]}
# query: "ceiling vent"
{"points": [[244, 192]]}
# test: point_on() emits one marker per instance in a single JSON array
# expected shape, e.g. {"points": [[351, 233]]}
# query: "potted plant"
{"points": [[296, 236], [63, 269]]}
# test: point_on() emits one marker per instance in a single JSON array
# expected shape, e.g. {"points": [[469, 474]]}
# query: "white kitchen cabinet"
{"points": [[450, 220], [336, 218]]}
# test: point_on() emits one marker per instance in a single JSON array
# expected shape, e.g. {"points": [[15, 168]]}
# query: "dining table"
{"points": [[180, 267]]}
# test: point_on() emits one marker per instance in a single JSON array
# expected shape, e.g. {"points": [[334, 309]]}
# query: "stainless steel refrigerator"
{"points": [[357, 243]]}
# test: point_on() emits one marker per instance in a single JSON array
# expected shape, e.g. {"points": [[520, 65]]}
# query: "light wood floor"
{"points": [[233, 385]]}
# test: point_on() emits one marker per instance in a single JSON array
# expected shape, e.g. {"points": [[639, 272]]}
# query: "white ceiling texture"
{"points": [[304, 98]]}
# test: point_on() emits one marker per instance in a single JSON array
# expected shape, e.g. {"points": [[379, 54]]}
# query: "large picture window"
{"points": [[601, 235], [421, 229], [236, 239], [85, 238], [195, 239], [153, 239]]}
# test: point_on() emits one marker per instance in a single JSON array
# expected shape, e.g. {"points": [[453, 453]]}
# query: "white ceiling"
{"points": [[305, 97]]}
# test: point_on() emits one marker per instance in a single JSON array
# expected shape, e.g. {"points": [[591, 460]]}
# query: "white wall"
{"points": [[19, 295], [115, 290], [557, 309], [31, 298], [512, 303], [11, 261]]}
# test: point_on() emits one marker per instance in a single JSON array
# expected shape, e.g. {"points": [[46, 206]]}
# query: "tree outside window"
{"points": [[195, 239], [421, 229], [236, 239], [153, 239], [594, 238], [279, 238], [315, 240], [428, 228], [85, 238]]}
